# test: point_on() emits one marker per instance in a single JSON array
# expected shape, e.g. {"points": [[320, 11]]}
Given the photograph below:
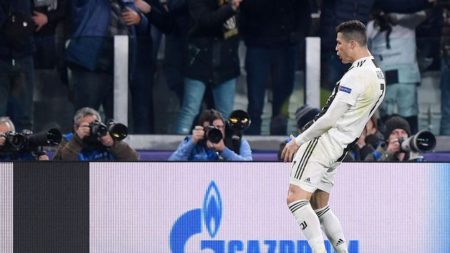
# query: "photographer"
{"points": [[89, 143], [396, 128], [202, 145], [7, 127]]}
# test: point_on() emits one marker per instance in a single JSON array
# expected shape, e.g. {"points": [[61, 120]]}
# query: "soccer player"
{"points": [[320, 148]]}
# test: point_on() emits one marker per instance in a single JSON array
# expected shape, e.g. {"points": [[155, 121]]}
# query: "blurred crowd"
{"points": [[71, 43]]}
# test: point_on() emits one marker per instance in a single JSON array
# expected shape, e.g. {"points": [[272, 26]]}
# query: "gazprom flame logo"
{"points": [[190, 223], [212, 209]]}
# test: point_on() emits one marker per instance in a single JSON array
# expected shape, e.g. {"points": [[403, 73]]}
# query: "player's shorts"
{"points": [[400, 98], [314, 165]]}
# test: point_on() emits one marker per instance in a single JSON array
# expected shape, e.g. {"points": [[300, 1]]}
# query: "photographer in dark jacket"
{"points": [[16, 56], [83, 145], [211, 59], [396, 128], [7, 126]]}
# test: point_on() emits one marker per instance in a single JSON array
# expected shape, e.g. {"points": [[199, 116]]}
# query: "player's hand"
{"points": [[198, 134], [107, 140], [289, 150]]}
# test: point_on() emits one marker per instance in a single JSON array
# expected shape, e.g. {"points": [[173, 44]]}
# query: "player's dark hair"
{"points": [[353, 30]]}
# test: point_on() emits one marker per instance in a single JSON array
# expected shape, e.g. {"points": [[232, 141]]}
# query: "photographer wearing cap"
{"points": [[9, 148], [212, 139], [396, 129], [400, 145], [94, 141]]}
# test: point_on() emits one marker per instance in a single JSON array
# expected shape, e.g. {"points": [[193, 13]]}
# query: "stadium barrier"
{"points": [[214, 207]]}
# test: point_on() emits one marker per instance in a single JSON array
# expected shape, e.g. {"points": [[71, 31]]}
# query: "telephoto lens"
{"points": [[47, 138], [239, 120], [423, 141], [118, 131]]}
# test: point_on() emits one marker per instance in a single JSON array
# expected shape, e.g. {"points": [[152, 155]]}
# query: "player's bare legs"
{"points": [[298, 203], [330, 223]]}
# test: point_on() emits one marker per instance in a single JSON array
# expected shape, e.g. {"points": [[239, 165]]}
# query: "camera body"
{"points": [[29, 141], [238, 121], [118, 131], [423, 141], [213, 134]]}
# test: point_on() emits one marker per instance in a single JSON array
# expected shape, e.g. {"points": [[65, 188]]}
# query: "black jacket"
{"points": [[24, 7], [268, 23], [211, 52]]}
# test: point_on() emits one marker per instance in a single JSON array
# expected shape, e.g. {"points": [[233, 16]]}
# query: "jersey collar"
{"points": [[360, 61]]}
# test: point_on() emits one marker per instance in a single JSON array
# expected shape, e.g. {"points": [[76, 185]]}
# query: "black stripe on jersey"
{"points": [[304, 156], [308, 152], [346, 149], [359, 64], [322, 212], [297, 205], [382, 92]]}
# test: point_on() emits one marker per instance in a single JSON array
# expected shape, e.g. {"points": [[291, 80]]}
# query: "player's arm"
{"points": [[325, 122], [320, 126], [345, 97]]}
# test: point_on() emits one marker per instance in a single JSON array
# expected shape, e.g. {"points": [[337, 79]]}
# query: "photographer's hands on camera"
{"points": [[198, 134], [393, 145], [84, 130], [2, 140]]}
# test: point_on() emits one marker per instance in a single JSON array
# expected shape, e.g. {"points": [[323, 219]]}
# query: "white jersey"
{"points": [[362, 87], [324, 143]]}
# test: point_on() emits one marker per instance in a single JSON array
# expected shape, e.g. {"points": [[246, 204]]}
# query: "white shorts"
{"points": [[314, 165]]}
